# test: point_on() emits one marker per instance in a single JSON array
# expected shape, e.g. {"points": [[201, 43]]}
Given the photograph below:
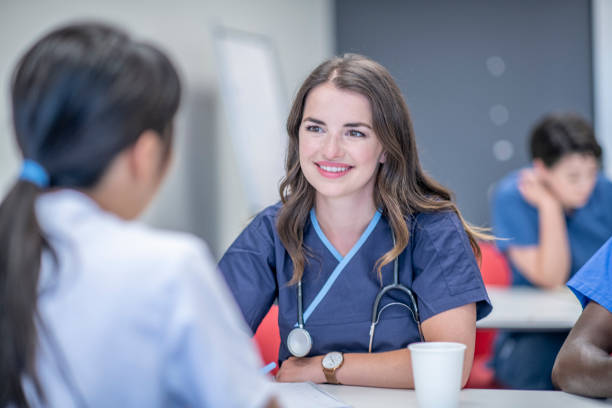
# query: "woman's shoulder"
{"points": [[269, 214], [260, 234], [160, 255], [434, 219], [443, 227], [264, 222], [164, 244]]}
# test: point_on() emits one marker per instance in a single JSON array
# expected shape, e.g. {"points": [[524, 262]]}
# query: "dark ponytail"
{"points": [[80, 96], [21, 244]]}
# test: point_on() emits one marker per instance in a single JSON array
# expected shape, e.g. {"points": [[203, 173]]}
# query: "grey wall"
{"points": [[476, 74]]}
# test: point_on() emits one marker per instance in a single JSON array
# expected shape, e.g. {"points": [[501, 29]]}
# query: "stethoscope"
{"points": [[299, 341]]}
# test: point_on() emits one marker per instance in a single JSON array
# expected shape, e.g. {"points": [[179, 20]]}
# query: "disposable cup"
{"points": [[437, 369]]}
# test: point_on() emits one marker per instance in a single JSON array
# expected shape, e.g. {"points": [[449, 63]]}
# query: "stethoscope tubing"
{"points": [[414, 310], [299, 304]]}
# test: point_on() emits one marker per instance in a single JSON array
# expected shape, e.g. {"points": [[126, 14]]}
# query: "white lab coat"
{"points": [[136, 317]]}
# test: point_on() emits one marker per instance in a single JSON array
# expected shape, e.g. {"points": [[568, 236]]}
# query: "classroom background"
{"points": [[476, 75]]}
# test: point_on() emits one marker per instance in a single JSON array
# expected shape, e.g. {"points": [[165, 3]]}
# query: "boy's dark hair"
{"points": [[557, 135]]}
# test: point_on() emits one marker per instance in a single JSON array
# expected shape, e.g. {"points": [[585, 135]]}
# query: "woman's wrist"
{"points": [[319, 375]]}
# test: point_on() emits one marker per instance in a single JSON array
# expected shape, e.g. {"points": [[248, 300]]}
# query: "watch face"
{"points": [[332, 360]]}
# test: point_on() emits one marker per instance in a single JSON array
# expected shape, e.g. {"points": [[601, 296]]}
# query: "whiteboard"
{"points": [[255, 106], [602, 77]]}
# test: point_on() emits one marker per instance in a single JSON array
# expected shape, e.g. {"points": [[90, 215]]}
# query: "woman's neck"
{"points": [[343, 221]]}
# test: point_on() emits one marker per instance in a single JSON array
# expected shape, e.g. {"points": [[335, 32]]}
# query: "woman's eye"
{"points": [[314, 128], [356, 133]]}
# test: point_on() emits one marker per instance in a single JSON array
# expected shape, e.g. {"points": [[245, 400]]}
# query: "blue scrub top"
{"points": [[517, 221], [594, 280], [438, 265]]}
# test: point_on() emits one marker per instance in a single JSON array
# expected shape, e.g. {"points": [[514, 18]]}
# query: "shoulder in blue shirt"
{"points": [[594, 280]]}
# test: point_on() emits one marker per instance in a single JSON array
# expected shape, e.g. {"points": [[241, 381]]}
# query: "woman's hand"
{"points": [[302, 369]]}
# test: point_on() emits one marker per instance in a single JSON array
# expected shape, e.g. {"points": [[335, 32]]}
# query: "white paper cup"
{"points": [[437, 369]]}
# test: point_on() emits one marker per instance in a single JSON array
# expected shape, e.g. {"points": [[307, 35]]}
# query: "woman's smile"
{"points": [[333, 170]]}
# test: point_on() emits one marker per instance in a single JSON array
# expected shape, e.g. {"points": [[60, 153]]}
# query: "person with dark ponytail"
{"points": [[97, 309]]}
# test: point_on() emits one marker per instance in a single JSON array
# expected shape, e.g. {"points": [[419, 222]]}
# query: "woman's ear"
{"points": [[383, 157]]}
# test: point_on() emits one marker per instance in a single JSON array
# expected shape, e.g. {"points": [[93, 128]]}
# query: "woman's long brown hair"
{"points": [[402, 187]]}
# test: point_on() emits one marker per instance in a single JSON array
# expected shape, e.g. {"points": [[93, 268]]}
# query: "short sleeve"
{"points": [[515, 222], [210, 357], [248, 267], [446, 274], [594, 280]]}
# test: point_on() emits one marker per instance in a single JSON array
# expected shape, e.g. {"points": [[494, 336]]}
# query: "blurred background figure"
{"points": [[550, 218]]}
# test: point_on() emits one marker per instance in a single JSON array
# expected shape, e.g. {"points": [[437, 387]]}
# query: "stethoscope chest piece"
{"points": [[299, 342]]}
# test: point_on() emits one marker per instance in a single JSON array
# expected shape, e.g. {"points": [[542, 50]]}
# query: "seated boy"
{"points": [[550, 217]]}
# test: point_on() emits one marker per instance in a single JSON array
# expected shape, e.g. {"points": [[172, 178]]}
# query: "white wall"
{"points": [[190, 200], [602, 77]]}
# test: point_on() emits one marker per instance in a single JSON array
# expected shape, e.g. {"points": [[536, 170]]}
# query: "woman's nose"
{"points": [[332, 148]]}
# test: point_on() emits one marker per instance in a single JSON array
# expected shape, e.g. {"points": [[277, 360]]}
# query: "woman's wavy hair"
{"points": [[401, 188]]}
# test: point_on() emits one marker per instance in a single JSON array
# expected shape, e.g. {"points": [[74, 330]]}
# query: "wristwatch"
{"points": [[331, 362]]}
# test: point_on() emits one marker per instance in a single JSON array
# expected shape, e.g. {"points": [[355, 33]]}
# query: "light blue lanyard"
{"points": [[343, 260]]}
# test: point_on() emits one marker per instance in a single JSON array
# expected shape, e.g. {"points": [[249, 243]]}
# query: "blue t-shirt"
{"points": [[594, 280], [438, 265], [517, 223]]}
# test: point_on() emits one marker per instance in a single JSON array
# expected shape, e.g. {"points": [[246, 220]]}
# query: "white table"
{"points": [[526, 308], [367, 397]]}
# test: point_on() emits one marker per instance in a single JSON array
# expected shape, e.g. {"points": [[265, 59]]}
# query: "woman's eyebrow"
{"points": [[311, 119], [352, 124], [357, 124]]}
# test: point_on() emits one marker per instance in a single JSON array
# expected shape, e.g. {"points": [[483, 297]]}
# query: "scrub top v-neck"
{"points": [[343, 261], [438, 264]]}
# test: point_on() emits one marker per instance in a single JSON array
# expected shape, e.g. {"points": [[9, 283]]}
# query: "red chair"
{"points": [[267, 338], [495, 272]]}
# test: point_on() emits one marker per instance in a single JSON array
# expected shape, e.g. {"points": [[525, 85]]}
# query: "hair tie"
{"points": [[34, 173]]}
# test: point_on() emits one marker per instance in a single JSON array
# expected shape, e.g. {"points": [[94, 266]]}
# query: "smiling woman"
{"points": [[357, 212]]}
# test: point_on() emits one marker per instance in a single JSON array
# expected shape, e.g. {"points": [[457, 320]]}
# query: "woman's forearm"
{"points": [[390, 369]]}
